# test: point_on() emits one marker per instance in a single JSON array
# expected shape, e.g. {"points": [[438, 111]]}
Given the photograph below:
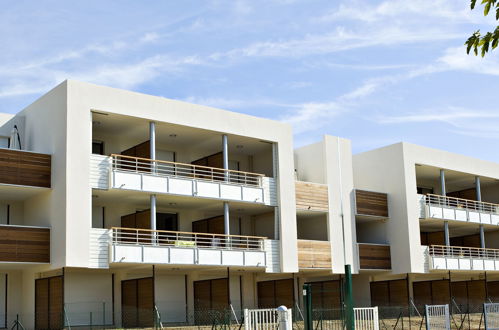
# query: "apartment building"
{"points": [[119, 208]]}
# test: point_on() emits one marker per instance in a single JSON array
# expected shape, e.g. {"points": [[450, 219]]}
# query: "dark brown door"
{"points": [[211, 294], [49, 302], [390, 293], [137, 302]]}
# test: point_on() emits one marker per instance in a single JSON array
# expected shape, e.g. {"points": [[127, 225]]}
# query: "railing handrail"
{"points": [[458, 199], [185, 164], [462, 252], [312, 183], [188, 233]]}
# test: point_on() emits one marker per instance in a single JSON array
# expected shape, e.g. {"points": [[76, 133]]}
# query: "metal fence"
{"points": [[181, 170], [437, 317], [491, 316]]}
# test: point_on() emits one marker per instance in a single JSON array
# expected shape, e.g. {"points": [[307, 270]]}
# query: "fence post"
{"points": [[307, 303], [350, 318], [247, 325]]}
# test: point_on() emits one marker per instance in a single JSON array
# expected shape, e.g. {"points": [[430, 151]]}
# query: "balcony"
{"points": [[311, 196], [371, 204], [314, 254], [374, 256], [459, 209], [24, 244], [23, 168], [130, 245], [164, 177], [441, 257]]}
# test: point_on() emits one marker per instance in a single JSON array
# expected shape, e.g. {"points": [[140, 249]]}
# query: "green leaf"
{"points": [[473, 3], [486, 9]]}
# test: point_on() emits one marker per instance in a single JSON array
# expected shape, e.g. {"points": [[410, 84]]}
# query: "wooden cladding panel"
{"points": [[373, 256], [24, 244], [371, 203], [275, 293], [142, 150], [213, 225], [468, 241], [465, 194], [311, 196], [440, 292], [25, 168], [41, 304], [215, 160], [476, 293], [314, 254], [390, 293]]}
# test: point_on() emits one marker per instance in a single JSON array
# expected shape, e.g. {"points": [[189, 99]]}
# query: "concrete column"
{"points": [[442, 183], [446, 233], [482, 237], [478, 189]]}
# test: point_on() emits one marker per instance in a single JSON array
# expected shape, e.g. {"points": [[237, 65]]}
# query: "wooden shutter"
{"points": [[202, 295], [422, 293], [317, 295], [476, 293], [440, 292], [379, 294], [145, 301], [219, 294], [284, 293], [460, 292], [493, 291], [49, 303], [129, 315], [143, 219], [398, 293], [266, 294], [41, 303], [332, 294]]}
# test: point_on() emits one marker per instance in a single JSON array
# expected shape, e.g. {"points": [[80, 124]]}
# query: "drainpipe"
{"points": [[225, 152]]}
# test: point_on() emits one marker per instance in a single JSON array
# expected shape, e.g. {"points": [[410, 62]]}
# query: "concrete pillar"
{"points": [[482, 237], [446, 233], [478, 189], [442, 183]]}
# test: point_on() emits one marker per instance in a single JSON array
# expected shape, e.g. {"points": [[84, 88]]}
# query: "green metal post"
{"points": [[307, 304], [350, 318]]}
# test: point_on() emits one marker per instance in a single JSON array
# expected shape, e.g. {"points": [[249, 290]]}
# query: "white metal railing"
{"points": [[182, 170], [135, 236], [461, 203], [268, 319], [366, 318], [443, 251]]}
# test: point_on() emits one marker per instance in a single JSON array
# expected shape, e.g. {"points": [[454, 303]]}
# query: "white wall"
{"points": [[88, 292], [170, 295]]}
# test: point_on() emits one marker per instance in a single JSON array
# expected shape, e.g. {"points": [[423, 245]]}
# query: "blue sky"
{"points": [[376, 72]]}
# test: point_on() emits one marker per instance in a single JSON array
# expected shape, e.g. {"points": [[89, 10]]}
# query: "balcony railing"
{"points": [[461, 203], [182, 170], [147, 237], [443, 251]]}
